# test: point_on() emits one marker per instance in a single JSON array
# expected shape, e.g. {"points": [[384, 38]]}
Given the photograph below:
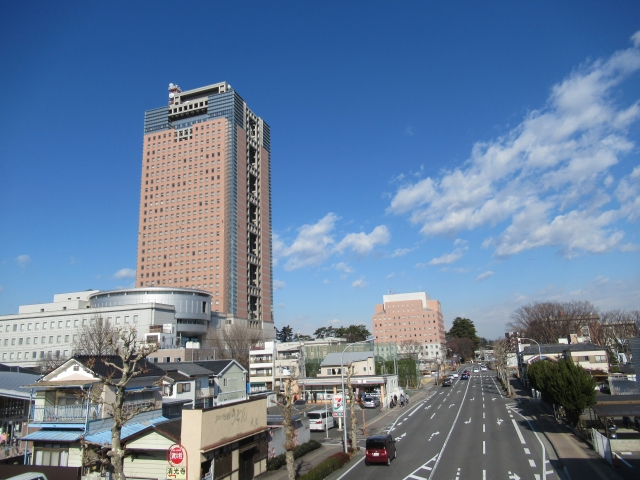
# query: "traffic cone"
{"points": [[616, 460]]}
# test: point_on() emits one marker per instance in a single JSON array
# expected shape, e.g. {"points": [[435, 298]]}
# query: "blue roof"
{"points": [[104, 436], [54, 435]]}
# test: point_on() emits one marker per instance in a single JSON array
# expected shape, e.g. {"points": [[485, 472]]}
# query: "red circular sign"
{"points": [[177, 456]]}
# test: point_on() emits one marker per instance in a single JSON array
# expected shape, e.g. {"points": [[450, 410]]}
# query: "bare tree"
{"points": [[95, 337], [116, 371], [234, 341], [461, 346], [616, 327], [545, 322], [287, 395], [500, 357], [50, 362], [352, 408]]}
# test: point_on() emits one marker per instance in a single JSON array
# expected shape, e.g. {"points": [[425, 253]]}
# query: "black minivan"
{"points": [[380, 449]]}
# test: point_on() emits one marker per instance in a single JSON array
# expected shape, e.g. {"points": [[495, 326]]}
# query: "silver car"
{"points": [[370, 402]]}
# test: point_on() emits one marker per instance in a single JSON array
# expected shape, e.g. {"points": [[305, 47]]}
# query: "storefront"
{"points": [[226, 442], [317, 389]]}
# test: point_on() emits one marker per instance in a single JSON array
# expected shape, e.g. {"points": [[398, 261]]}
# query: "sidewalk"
{"points": [[311, 459], [574, 456]]}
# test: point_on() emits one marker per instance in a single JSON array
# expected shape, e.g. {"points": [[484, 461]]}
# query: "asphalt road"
{"points": [[467, 431]]}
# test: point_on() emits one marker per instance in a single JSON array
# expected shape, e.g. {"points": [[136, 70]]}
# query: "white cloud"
{"points": [[1, 288], [360, 283], [326, 281], [343, 267], [391, 275], [409, 131], [362, 243], [125, 273], [399, 252], [447, 258], [484, 276], [314, 243], [630, 247], [278, 284], [550, 177], [23, 260]]}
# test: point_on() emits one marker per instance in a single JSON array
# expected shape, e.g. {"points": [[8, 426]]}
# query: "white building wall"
{"points": [[27, 337]]}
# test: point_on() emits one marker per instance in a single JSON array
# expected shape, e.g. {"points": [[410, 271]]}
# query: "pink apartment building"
{"points": [[205, 201], [413, 322]]}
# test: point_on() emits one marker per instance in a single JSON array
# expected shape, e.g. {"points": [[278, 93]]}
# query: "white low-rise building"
{"points": [[179, 316]]}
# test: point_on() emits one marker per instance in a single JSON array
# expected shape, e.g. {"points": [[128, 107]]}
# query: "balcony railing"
{"points": [[64, 413], [204, 392], [140, 406]]}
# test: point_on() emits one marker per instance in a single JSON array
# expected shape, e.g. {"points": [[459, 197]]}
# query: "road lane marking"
{"points": [[422, 467], [434, 414], [515, 425], [484, 475], [527, 451], [532, 463], [484, 447], [444, 445], [483, 430]]}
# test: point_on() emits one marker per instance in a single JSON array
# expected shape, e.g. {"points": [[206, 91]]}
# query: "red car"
{"points": [[380, 449]]}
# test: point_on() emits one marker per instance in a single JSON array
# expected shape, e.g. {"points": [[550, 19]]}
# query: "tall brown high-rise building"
{"points": [[205, 201]]}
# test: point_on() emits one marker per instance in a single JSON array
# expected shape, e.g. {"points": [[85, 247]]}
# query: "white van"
{"points": [[320, 419]]}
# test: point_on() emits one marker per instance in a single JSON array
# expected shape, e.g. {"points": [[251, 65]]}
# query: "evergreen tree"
{"points": [[464, 328], [564, 383], [285, 334]]}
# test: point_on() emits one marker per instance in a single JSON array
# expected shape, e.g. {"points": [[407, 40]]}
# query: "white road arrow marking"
{"points": [[500, 421], [451, 405], [433, 435], [493, 399], [513, 476], [469, 420]]}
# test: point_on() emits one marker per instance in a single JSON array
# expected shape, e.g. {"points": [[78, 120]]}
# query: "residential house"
{"points": [[71, 402], [362, 362], [187, 384], [15, 401], [230, 380]]}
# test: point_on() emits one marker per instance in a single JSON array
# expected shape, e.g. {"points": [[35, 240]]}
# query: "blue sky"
{"points": [[485, 152]]}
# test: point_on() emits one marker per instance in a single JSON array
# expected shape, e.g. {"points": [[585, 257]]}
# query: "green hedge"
{"points": [[327, 467], [276, 462]]}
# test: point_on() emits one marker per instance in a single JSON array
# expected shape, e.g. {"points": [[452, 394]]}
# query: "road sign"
{"points": [[338, 405], [338, 414], [177, 456], [177, 473]]}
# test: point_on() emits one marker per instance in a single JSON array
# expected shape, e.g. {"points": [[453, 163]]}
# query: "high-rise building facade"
{"points": [[414, 322], [205, 201]]}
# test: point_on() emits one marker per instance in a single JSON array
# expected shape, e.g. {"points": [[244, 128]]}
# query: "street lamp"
{"points": [[344, 409], [539, 351]]}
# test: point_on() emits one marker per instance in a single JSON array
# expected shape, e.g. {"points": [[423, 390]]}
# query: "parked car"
{"points": [[370, 402], [320, 420], [380, 449]]}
